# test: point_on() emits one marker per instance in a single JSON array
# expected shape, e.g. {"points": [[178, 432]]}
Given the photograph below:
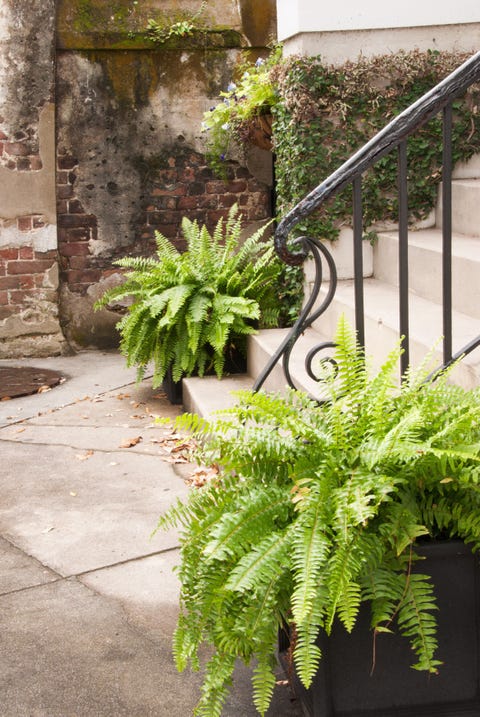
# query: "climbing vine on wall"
{"points": [[325, 113]]}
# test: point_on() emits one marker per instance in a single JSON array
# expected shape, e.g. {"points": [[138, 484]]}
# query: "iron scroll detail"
{"points": [[311, 311]]}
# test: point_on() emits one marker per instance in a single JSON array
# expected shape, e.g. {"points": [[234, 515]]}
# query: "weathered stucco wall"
{"points": [[28, 242], [129, 146]]}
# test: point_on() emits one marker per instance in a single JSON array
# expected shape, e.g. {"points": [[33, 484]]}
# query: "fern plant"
{"points": [[190, 309], [318, 509]]}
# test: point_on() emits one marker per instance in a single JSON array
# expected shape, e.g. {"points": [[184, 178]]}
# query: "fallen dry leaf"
{"points": [[20, 430], [84, 456], [6, 398], [43, 389], [202, 475], [129, 442]]}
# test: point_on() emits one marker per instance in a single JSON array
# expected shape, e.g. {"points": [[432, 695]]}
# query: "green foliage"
{"points": [[319, 508], [325, 113], [181, 25], [190, 310], [229, 123]]}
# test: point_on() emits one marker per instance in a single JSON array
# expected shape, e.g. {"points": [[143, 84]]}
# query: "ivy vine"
{"points": [[325, 113]]}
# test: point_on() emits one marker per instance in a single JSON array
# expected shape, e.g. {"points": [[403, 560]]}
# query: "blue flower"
{"points": [[259, 62], [222, 157], [231, 87]]}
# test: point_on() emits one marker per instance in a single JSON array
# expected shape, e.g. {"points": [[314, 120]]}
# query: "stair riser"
{"points": [[381, 335], [465, 207], [425, 273]]}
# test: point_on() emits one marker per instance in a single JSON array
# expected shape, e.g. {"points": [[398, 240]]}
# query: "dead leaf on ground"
{"points": [[20, 430], [43, 389], [203, 475], [84, 456], [6, 398], [174, 459], [130, 442]]}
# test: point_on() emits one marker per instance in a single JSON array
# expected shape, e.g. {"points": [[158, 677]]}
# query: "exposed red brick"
{"points": [[28, 267], [215, 187], [8, 254], [36, 164], [24, 224], [24, 164], [74, 249], [197, 188], [226, 200], [83, 276], [170, 191], [75, 207], [25, 252], [38, 221], [66, 162], [76, 220], [17, 149], [62, 177], [19, 297], [9, 282], [78, 262], [64, 191], [3, 298], [3, 135]]}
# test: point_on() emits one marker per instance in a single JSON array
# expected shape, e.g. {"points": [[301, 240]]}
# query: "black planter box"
{"points": [[344, 685]]}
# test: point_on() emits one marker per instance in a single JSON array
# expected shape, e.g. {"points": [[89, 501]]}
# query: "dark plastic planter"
{"points": [[235, 363], [344, 687]]}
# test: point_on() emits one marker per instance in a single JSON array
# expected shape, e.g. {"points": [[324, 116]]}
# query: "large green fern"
{"points": [[190, 309], [318, 509]]}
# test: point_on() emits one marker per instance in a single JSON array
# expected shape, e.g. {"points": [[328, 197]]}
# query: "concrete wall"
{"points": [[28, 259], [346, 29], [129, 144], [100, 135]]}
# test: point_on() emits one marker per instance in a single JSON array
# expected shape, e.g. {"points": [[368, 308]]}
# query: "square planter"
{"points": [[344, 685]]}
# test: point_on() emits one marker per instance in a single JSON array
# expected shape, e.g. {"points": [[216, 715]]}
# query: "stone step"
{"points": [[381, 326], [208, 394], [465, 206], [425, 266]]}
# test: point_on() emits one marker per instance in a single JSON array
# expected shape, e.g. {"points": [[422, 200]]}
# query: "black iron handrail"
{"points": [[393, 135]]}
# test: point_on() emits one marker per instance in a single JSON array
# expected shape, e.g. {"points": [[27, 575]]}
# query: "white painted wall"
{"points": [[299, 16]]}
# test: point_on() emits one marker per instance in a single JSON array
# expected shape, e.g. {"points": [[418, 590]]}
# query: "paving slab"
{"points": [[19, 571], [67, 652], [87, 373], [88, 599], [75, 515]]}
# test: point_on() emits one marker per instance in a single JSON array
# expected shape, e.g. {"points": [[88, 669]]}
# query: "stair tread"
{"points": [[464, 246], [209, 394], [381, 303]]}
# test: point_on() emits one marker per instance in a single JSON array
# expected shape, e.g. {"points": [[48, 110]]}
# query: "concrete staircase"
{"points": [[381, 301]]}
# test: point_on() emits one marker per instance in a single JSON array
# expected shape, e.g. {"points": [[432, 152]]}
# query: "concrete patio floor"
{"points": [[88, 600]]}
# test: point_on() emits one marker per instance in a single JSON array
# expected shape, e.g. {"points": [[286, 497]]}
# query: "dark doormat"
{"points": [[24, 380]]}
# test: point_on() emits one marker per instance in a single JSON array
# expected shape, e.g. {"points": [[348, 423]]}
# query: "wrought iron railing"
{"points": [[294, 252]]}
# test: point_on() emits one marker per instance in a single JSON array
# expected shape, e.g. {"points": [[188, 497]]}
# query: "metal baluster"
{"points": [[358, 260], [447, 233], [403, 254]]}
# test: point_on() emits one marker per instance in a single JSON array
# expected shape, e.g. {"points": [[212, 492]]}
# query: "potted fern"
{"points": [[191, 311], [339, 524]]}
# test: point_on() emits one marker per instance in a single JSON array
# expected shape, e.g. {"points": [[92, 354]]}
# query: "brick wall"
{"points": [[19, 152], [185, 187], [25, 273]]}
